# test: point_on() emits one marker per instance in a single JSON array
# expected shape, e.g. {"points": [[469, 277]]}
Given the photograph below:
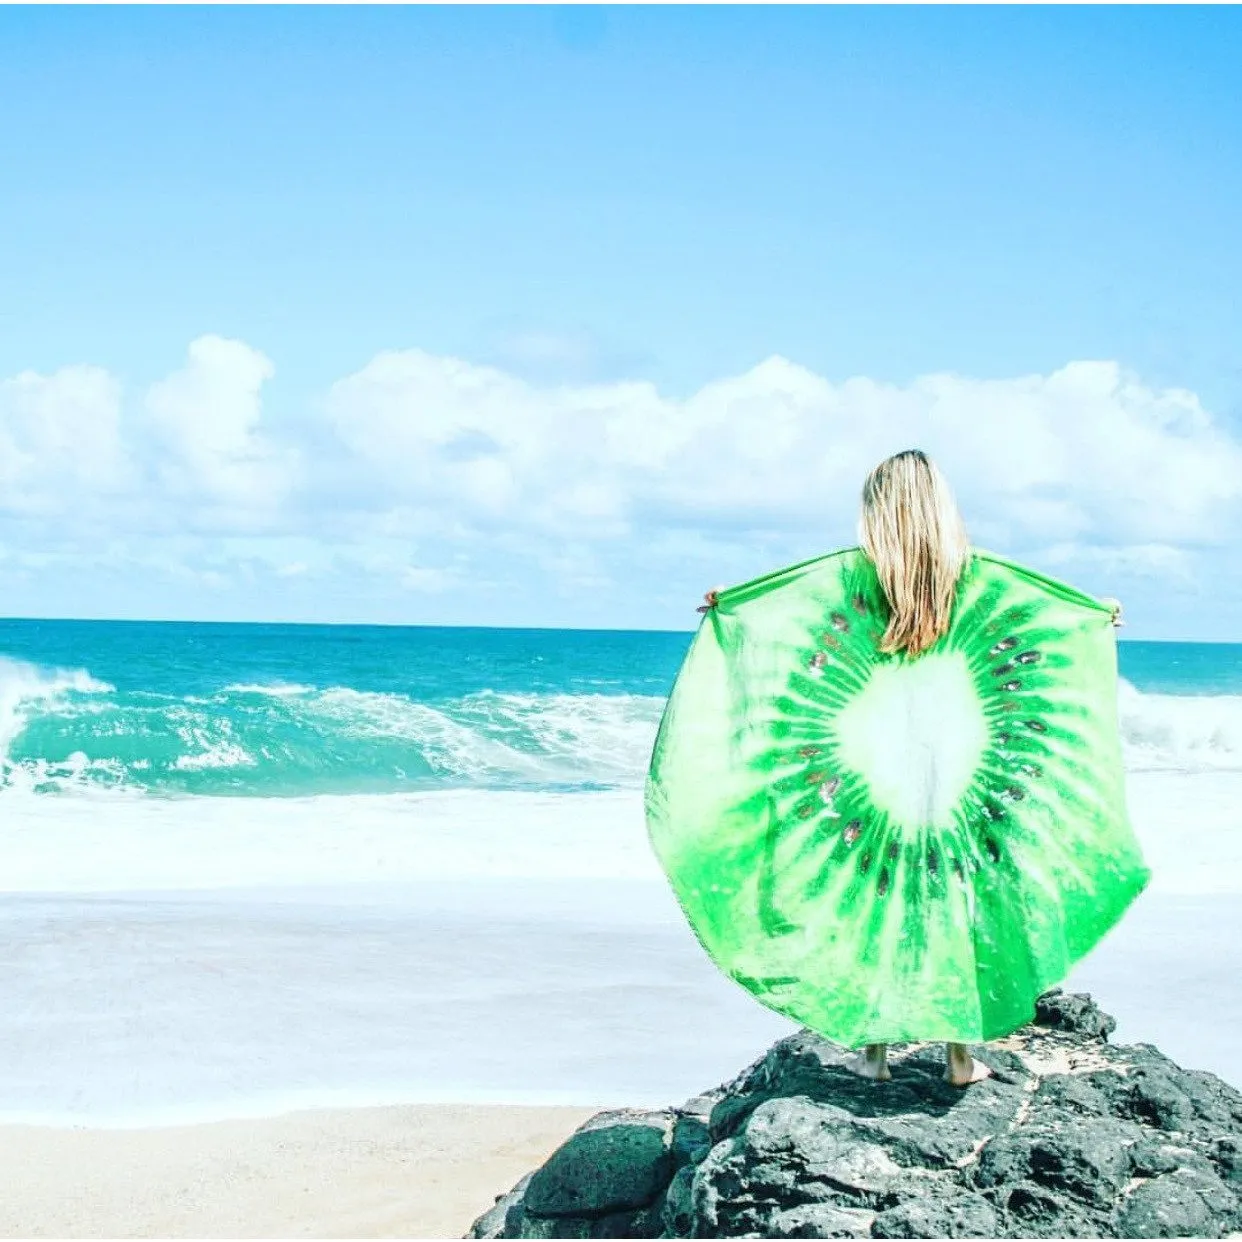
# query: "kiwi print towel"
{"points": [[889, 849]]}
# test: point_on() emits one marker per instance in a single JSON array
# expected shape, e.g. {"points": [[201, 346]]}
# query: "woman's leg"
{"points": [[872, 1062], [961, 1069]]}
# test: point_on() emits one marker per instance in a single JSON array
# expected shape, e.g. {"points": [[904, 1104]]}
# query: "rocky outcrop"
{"points": [[1071, 1137]]}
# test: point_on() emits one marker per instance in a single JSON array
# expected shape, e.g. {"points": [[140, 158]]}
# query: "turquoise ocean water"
{"points": [[251, 868], [285, 710]]}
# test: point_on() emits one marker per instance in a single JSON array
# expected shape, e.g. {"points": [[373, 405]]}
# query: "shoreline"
{"points": [[272, 1107], [415, 1170]]}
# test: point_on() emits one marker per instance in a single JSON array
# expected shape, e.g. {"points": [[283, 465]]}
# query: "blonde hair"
{"points": [[911, 530]]}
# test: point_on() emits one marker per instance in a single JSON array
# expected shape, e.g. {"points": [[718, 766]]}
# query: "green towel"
{"points": [[889, 849]]}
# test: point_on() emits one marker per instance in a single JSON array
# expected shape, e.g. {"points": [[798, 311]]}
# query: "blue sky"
{"points": [[484, 315]]}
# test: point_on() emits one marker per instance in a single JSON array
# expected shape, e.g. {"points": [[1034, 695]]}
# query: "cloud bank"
{"points": [[431, 472]]}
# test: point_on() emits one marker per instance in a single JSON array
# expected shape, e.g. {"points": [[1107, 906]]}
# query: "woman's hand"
{"points": [[1115, 605], [710, 600]]}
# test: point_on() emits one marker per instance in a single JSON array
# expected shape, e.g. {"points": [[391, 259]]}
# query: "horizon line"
{"points": [[405, 625]]}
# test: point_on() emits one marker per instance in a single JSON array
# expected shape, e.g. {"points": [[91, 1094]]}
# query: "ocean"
{"points": [[253, 867], [265, 711]]}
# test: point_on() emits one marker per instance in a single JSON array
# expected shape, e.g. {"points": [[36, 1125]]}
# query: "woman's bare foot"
{"points": [[961, 1069], [872, 1063]]}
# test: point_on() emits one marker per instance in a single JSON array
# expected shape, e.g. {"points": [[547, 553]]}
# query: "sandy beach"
{"points": [[416, 1171], [383, 1056]]}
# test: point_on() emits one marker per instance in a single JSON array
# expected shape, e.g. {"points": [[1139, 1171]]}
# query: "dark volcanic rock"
{"points": [[692, 1140], [964, 1216], [1070, 1137], [819, 1220], [1033, 1211], [1185, 1203], [618, 1161], [493, 1222], [1086, 1159], [1075, 1013]]}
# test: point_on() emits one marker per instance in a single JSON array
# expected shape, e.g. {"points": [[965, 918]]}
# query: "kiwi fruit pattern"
{"points": [[887, 848]]}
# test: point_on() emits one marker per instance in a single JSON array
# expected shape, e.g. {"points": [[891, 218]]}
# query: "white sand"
{"points": [[421, 1171]]}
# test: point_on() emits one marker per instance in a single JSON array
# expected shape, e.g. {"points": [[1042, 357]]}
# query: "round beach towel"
{"points": [[889, 849]]}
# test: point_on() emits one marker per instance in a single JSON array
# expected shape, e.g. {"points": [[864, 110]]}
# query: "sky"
{"points": [[560, 316]]}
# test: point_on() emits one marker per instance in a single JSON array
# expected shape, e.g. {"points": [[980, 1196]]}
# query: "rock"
{"points": [[1033, 1211], [678, 1216], [617, 1161], [1088, 1160], [1156, 1098], [1157, 1092], [1075, 1013], [801, 1064], [1150, 1157], [968, 1216], [1072, 1136], [644, 1223], [1183, 1204], [492, 1224], [810, 1143], [552, 1227], [1226, 1153], [692, 1139], [716, 1181], [918, 1113], [1072, 1093], [820, 1220], [701, 1105]]}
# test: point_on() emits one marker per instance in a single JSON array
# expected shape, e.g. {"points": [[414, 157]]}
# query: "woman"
{"points": [[911, 531]]}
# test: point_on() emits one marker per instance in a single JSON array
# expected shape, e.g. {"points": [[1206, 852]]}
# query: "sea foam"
{"points": [[64, 730], [1185, 733]]}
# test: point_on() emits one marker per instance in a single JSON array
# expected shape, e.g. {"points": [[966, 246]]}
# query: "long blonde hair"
{"points": [[912, 531]]}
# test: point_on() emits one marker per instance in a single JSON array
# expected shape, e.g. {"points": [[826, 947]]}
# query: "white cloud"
{"points": [[60, 440], [193, 454], [432, 474], [206, 417], [1086, 454], [442, 433]]}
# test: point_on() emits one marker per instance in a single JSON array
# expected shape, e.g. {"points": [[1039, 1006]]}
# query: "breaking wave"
{"points": [[63, 729], [60, 730], [1183, 733]]}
